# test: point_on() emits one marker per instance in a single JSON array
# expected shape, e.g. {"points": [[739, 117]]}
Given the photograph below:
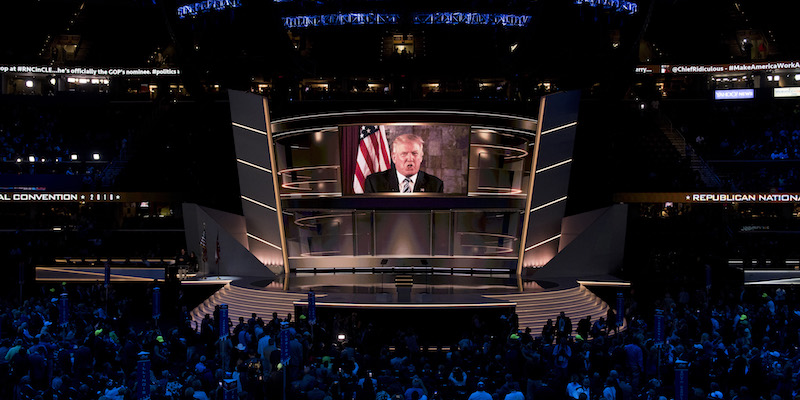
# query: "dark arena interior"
{"points": [[374, 200]]}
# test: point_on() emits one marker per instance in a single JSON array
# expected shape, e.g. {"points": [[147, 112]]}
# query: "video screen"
{"points": [[404, 158]]}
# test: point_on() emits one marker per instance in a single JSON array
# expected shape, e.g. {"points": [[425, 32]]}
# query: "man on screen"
{"points": [[404, 176]]}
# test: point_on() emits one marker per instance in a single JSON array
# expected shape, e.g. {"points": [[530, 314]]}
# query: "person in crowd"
{"points": [[573, 386], [193, 263], [458, 380], [514, 393], [610, 389], [480, 392], [548, 332], [563, 325], [562, 352]]}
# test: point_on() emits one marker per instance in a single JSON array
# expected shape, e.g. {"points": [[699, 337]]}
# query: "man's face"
{"points": [[407, 157]]}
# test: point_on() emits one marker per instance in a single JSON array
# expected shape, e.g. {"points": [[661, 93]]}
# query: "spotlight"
{"points": [[53, 81], [73, 157], [96, 156], [32, 158], [29, 83], [341, 337]]}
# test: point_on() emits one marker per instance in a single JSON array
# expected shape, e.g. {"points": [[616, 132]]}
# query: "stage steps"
{"points": [[242, 302], [535, 308]]}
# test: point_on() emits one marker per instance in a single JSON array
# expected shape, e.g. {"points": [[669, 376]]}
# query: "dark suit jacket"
{"points": [[386, 181]]}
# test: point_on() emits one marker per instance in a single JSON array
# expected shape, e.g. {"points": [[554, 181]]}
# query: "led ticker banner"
{"points": [[715, 68], [734, 94], [59, 197], [90, 71], [787, 92], [81, 197], [708, 198]]}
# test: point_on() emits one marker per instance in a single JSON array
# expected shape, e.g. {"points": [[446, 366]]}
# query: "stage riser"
{"points": [[532, 308]]}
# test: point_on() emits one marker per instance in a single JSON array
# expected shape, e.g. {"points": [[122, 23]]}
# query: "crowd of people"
{"points": [[38, 139], [741, 134], [742, 346], [25, 132]]}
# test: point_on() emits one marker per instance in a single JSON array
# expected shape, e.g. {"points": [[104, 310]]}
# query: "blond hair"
{"points": [[409, 138]]}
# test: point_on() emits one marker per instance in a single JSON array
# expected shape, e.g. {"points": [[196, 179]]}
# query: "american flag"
{"points": [[373, 154], [216, 255], [203, 244]]}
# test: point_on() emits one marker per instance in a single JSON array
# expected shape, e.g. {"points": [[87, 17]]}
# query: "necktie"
{"points": [[407, 185]]}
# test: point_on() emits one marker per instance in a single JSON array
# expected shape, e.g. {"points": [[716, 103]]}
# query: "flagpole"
{"points": [[204, 255]]}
